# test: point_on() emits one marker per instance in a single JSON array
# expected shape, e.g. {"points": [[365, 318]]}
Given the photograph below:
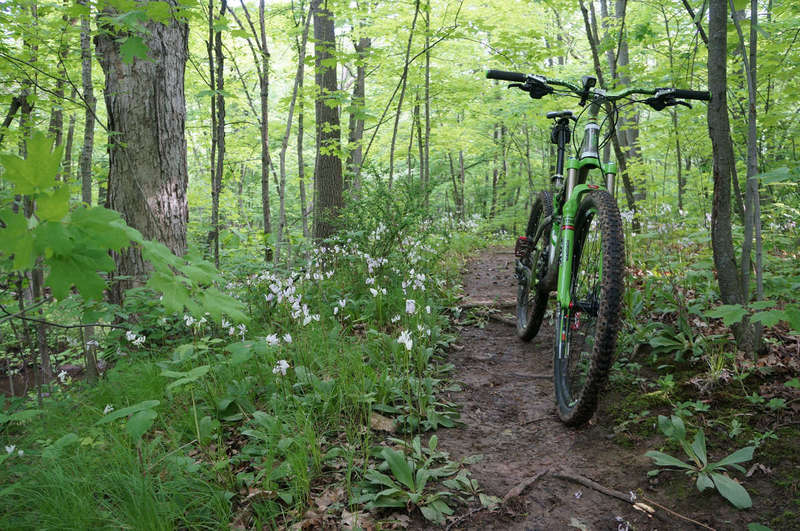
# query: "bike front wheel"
{"points": [[533, 289], [586, 331]]}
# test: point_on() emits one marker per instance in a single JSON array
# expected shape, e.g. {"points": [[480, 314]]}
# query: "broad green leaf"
{"points": [[792, 316], [729, 313], [139, 423], [37, 172], [732, 491], [16, 239], [80, 270], [704, 482], [53, 206], [124, 412], [52, 238], [380, 478], [400, 467], [755, 526], [175, 294], [769, 318], [187, 377], [699, 447], [432, 514], [218, 304], [133, 47], [739, 456], [105, 227], [794, 382], [662, 459]]}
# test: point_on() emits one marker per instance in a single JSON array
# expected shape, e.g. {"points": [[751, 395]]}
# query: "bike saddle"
{"points": [[559, 114]]}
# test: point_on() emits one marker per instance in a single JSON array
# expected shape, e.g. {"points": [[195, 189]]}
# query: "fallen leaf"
{"points": [[329, 497], [574, 522], [357, 520], [396, 521], [381, 423]]}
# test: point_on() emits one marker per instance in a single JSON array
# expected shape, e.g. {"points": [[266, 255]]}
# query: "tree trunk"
{"points": [[403, 80], [301, 53], [85, 160], [425, 165], [328, 183], [719, 131], [69, 143], [355, 151], [147, 168]]}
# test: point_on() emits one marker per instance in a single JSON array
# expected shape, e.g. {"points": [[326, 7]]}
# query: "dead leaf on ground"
{"points": [[761, 468], [357, 520], [381, 423], [396, 521], [329, 497]]}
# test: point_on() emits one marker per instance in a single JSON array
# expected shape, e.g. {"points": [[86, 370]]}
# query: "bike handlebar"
{"points": [[516, 77], [671, 93]]}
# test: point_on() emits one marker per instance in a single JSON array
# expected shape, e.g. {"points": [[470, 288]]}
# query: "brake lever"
{"points": [[659, 103], [517, 85]]}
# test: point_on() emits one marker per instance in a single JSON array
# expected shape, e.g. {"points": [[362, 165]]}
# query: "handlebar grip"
{"points": [[693, 94], [506, 76]]}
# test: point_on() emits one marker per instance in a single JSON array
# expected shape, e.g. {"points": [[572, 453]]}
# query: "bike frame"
{"points": [[562, 234]]}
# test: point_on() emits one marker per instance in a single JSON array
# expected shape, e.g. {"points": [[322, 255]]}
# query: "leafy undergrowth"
{"points": [[283, 420], [678, 365]]}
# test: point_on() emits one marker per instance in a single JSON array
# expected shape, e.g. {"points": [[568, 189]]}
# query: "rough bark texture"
{"points": [[146, 110], [328, 168]]}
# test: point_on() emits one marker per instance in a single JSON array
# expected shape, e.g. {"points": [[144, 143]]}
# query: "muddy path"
{"points": [[509, 417]]}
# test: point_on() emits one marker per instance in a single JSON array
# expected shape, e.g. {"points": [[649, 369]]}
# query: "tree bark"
{"points": [[328, 183], [147, 168], [301, 53], [85, 159], [355, 149], [719, 131], [404, 80]]}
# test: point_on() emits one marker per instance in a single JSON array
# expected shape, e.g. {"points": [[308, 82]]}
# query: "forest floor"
{"points": [[509, 417]]}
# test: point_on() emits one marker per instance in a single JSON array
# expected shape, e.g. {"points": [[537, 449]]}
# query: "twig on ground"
{"points": [[586, 482], [519, 489], [471, 305]]}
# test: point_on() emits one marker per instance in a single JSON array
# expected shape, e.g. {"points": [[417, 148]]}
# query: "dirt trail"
{"points": [[509, 416]]}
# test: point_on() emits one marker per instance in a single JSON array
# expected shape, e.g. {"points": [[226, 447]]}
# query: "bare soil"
{"points": [[510, 418]]}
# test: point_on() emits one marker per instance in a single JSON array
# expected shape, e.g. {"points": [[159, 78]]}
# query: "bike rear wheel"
{"points": [[534, 286], [586, 331]]}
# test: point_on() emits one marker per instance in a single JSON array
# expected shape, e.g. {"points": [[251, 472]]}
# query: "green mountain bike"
{"points": [[574, 244]]}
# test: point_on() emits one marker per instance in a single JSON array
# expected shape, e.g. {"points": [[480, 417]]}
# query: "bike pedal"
{"points": [[523, 247]]}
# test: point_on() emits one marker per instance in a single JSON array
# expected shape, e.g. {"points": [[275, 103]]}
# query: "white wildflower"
{"points": [[225, 323], [272, 340], [405, 339], [62, 376], [188, 319], [427, 309], [395, 318], [342, 302], [374, 292], [281, 367], [411, 306], [287, 337], [10, 449], [108, 409]]}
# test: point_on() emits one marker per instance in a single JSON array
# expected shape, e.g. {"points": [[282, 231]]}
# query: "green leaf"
{"points": [[54, 450], [124, 412], [175, 294], [769, 318], [704, 482], [16, 239], [218, 304], [186, 378], [755, 526], [792, 317], [139, 423], [662, 459], [699, 447], [53, 206], [66, 270], [729, 313], [379, 478], [105, 227], [432, 514], [732, 491], [794, 382], [400, 467], [133, 47], [37, 172], [739, 456]]}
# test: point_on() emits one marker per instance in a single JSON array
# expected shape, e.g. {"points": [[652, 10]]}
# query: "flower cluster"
{"points": [[280, 367], [135, 339]]}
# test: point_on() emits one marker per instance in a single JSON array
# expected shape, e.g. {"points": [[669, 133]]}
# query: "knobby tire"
{"points": [[586, 334]]}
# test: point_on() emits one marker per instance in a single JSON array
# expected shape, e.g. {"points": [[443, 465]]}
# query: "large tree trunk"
{"points": [[147, 168], [328, 168], [85, 160]]}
